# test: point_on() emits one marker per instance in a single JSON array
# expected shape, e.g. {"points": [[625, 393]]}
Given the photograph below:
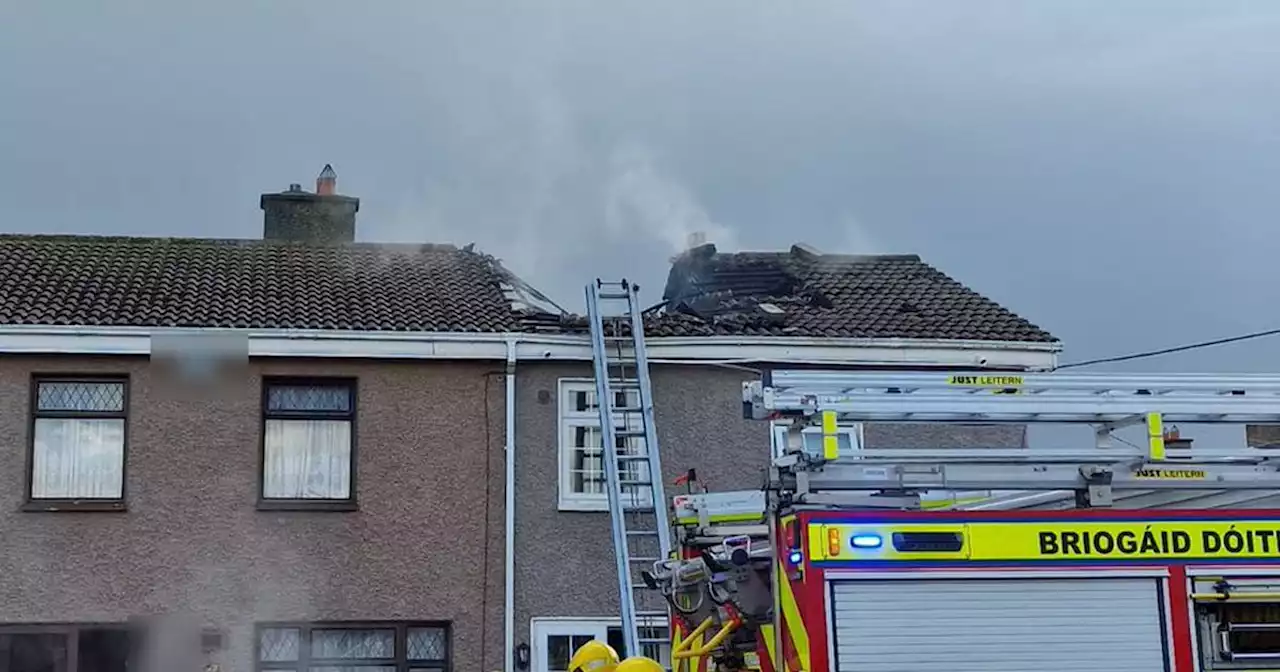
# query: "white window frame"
{"points": [[542, 628], [569, 419]]}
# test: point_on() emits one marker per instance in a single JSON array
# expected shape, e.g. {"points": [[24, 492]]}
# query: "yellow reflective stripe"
{"points": [[830, 436], [1155, 436], [766, 631], [791, 614]]}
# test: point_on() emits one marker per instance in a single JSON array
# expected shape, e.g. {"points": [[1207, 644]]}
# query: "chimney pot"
{"points": [[696, 239], [295, 188], [327, 181]]}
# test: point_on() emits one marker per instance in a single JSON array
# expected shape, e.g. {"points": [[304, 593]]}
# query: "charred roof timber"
{"points": [[323, 217]]}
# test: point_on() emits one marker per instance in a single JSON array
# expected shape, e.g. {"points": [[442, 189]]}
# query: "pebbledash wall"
{"points": [[564, 555], [426, 543]]}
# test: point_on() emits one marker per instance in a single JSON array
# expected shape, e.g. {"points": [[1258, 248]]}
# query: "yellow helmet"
{"points": [[639, 664], [594, 656]]}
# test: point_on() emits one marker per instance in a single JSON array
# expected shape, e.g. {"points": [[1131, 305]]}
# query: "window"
{"points": [[308, 444], [582, 478], [67, 648], [555, 640], [78, 443], [355, 647]]}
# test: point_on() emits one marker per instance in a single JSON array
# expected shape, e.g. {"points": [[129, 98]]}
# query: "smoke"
{"points": [[641, 199], [856, 238]]}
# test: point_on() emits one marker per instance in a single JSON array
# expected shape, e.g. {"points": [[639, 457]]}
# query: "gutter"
{"points": [[509, 520], [933, 353]]}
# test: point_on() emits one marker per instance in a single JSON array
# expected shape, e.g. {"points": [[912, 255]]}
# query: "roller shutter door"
{"points": [[998, 625]]}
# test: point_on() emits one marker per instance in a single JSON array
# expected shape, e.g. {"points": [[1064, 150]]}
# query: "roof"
{"points": [[264, 284], [275, 284], [805, 293]]}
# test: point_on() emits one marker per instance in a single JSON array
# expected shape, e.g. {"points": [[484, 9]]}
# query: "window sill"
{"points": [[74, 506], [583, 506], [305, 505], [589, 506]]}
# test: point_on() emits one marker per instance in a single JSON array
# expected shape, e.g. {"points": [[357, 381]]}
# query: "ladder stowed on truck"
{"points": [[1180, 587]]}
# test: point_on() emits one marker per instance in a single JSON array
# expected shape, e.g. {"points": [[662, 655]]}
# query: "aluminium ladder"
{"points": [[1106, 401], [632, 465]]}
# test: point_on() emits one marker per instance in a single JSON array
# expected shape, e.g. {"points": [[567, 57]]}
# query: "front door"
{"points": [[554, 642]]}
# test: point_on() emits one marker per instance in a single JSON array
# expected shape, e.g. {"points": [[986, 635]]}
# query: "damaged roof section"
{"points": [[804, 293]]}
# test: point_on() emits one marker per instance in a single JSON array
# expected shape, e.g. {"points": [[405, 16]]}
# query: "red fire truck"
{"points": [[1136, 555]]}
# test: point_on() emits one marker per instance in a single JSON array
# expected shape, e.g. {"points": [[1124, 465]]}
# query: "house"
{"points": [[295, 451]]}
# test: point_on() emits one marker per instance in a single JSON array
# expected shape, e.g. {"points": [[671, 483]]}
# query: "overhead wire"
{"points": [[1166, 351]]}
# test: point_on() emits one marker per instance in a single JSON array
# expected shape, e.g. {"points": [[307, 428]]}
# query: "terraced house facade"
{"points": [[303, 452]]}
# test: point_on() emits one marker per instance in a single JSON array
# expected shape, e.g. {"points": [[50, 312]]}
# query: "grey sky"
{"points": [[1105, 168]]}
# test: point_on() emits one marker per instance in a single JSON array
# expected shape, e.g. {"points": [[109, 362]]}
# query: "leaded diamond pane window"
{"points": [[89, 397], [278, 644], [340, 647], [78, 440], [309, 398], [308, 441], [427, 643], [357, 644]]}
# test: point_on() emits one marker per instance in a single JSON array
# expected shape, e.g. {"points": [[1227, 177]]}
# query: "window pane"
{"points": [[358, 644], [74, 396], [78, 458], [586, 463], [278, 644], [43, 652], [558, 652], [301, 398], [584, 400], [426, 643], [307, 459]]}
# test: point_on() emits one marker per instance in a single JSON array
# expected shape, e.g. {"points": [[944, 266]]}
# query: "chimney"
{"points": [[323, 217], [695, 239]]}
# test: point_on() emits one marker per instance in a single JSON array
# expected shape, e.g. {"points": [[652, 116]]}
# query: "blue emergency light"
{"points": [[864, 540]]}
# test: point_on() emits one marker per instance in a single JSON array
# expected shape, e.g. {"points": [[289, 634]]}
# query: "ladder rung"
{"points": [[629, 433], [642, 533], [645, 560], [633, 458]]}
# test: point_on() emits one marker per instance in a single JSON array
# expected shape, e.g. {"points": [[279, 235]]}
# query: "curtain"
{"points": [[77, 458], [307, 459]]}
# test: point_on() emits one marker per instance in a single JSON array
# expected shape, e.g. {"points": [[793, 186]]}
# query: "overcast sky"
{"points": [[1108, 169]]}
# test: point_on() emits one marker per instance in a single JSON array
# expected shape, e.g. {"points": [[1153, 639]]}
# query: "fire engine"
{"points": [[1143, 556]]}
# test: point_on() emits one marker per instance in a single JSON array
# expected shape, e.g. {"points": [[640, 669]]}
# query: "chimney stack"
{"points": [[696, 239], [323, 217]]}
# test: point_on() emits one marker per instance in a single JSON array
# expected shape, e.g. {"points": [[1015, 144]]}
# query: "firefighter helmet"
{"points": [[594, 656], [639, 664]]}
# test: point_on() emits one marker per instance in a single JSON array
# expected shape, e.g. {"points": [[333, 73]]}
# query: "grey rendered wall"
{"points": [[426, 543], [564, 560]]}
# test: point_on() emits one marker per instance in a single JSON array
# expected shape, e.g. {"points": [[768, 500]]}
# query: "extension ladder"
{"points": [[629, 450]]}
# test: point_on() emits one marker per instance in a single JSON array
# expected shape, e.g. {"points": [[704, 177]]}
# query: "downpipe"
{"points": [[509, 520]]}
